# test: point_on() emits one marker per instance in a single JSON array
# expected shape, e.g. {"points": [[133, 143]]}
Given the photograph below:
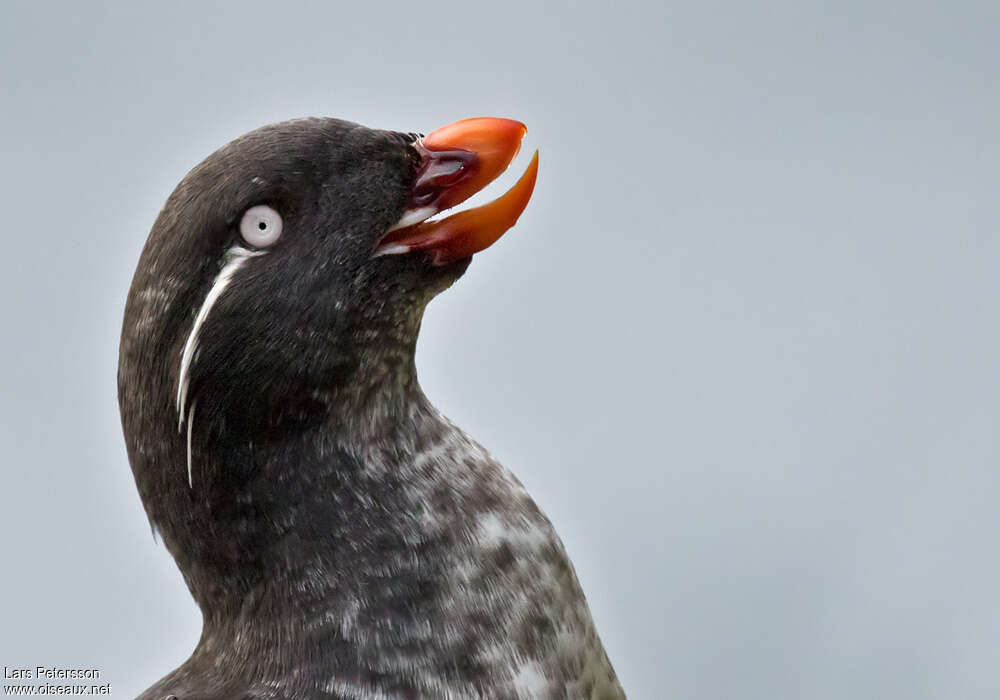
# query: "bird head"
{"points": [[285, 280]]}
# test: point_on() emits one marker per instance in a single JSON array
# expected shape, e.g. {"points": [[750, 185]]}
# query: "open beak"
{"points": [[459, 160]]}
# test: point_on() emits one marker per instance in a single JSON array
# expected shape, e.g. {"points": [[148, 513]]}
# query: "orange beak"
{"points": [[459, 160]]}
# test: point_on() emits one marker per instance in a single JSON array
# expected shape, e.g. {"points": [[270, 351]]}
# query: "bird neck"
{"points": [[360, 527], [332, 534], [271, 507]]}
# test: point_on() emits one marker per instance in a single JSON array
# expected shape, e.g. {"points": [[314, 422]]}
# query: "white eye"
{"points": [[260, 226]]}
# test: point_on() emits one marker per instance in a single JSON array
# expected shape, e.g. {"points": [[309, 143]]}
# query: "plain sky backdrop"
{"points": [[742, 347]]}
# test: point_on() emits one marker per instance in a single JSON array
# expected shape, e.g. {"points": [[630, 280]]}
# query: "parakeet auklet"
{"points": [[342, 538]]}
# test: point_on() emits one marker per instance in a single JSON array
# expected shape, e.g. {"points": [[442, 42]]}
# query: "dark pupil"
{"points": [[261, 225]]}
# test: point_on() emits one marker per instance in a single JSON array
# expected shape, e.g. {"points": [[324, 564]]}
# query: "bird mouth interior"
{"points": [[457, 161]]}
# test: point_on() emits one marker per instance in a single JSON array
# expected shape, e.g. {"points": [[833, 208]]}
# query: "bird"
{"points": [[342, 538]]}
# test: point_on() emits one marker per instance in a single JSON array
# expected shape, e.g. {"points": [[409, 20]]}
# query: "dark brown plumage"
{"points": [[341, 537]]}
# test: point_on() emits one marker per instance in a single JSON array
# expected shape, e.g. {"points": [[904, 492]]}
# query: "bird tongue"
{"points": [[459, 160]]}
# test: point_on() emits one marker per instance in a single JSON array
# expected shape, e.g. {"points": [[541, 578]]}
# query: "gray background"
{"points": [[742, 346]]}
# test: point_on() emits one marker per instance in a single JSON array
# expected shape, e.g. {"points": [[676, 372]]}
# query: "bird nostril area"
{"points": [[436, 175], [444, 172], [439, 171]]}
